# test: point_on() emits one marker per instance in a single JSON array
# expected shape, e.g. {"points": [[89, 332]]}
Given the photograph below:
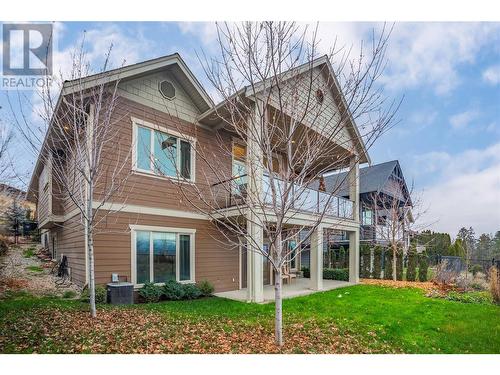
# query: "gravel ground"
{"points": [[16, 275]]}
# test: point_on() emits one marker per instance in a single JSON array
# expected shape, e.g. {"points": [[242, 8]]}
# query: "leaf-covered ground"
{"points": [[358, 319], [58, 329]]}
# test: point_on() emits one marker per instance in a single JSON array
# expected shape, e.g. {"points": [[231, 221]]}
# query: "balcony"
{"points": [[232, 193]]}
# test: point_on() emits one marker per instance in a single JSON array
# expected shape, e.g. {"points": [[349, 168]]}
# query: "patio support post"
{"points": [[354, 235], [254, 170], [354, 186], [354, 256], [317, 259]]}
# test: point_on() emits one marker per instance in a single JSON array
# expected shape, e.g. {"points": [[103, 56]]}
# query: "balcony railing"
{"points": [[233, 192]]}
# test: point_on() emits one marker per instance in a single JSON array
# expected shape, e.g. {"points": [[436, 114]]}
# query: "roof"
{"points": [[371, 179], [251, 91], [173, 63], [12, 191]]}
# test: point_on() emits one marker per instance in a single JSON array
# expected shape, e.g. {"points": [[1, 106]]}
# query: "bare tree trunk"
{"points": [[394, 262], [90, 251], [278, 323]]}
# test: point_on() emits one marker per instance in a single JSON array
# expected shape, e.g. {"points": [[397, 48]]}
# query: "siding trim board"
{"points": [[136, 209]]}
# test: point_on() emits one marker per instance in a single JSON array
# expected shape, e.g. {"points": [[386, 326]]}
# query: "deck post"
{"points": [[254, 170], [316, 258], [354, 256]]}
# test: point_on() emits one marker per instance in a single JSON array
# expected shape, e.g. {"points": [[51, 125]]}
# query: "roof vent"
{"points": [[167, 90]]}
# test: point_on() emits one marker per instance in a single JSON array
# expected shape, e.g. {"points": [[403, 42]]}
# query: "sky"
{"points": [[448, 137]]}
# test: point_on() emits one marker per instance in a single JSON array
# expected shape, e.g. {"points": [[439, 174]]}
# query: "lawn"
{"points": [[358, 319]]}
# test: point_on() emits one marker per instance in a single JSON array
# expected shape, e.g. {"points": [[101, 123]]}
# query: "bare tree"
{"points": [[5, 165], [78, 132], [286, 118], [397, 214]]}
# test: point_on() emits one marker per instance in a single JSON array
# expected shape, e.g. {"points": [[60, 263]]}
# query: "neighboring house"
{"points": [[385, 203], [9, 194], [156, 235]]}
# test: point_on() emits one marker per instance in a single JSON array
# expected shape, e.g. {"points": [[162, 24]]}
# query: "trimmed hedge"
{"points": [[411, 271], [364, 261], [399, 266], [377, 262], [174, 291], [388, 264], [423, 267], [341, 274]]}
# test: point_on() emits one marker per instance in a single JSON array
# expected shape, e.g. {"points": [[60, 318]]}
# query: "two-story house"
{"points": [[156, 235], [385, 203]]}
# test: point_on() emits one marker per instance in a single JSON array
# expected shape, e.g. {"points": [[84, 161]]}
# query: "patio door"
{"points": [[243, 266]]}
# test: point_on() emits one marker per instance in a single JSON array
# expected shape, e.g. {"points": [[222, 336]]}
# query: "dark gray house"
{"points": [[385, 202]]}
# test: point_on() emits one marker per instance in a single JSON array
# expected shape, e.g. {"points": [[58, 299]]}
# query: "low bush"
{"points": [[172, 290], [341, 274], [206, 288], [470, 297], [69, 294], [191, 291], [306, 272], [475, 269], [423, 267], [101, 294], [150, 292]]}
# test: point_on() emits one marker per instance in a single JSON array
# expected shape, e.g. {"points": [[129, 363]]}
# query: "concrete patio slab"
{"points": [[298, 287]]}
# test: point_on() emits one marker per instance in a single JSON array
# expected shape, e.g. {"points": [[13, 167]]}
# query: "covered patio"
{"points": [[298, 287]]}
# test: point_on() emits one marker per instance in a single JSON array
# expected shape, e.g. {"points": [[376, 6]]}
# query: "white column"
{"points": [[354, 256], [255, 274], [255, 269], [354, 186], [316, 259]]}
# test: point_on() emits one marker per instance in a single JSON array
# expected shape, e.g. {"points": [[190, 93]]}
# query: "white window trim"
{"points": [[136, 123], [178, 231]]}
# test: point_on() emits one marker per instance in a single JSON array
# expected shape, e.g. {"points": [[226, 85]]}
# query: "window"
{"points": [[367, 217], [163, 255], [162, 153]]}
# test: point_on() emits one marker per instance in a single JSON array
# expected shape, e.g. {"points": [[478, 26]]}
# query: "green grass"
{"points": [[36, 269], [403, 319]]}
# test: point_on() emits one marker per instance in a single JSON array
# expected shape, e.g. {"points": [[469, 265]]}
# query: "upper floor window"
{"points": [[164, 153], [367, 217]]}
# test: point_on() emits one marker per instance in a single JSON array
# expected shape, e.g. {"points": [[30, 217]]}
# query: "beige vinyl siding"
{"points": [[71, 242], [214, 261], [43, 199], [152, 191], [144, 90]]}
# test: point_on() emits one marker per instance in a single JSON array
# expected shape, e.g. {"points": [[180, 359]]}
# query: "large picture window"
{"points": [[163, 153], [161, 255]]}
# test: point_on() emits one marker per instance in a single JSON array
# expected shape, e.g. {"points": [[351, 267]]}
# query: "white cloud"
{"points": [[419, 54], [492, 75], [463, 119], [467, 192]]}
